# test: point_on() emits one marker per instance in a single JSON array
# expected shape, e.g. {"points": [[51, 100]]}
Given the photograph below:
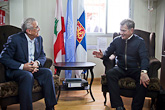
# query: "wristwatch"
{"points": [[144, 71]]}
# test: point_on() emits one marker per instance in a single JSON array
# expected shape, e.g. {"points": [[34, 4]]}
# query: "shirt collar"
{"points": [[130, 37], [28, 39]]}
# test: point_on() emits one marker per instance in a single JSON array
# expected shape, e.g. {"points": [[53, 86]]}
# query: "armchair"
{"points": [[9, 89], [127, 84]]}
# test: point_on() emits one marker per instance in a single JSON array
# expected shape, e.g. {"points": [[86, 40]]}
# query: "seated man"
{"points": [[24, 58], [132, 61]]}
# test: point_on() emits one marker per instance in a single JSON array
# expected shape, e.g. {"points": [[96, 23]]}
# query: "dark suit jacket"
{"points": [[15, 52]]}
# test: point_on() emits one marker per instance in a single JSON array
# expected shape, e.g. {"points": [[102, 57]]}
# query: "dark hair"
{"points": [[130, 23], [27, 24]]}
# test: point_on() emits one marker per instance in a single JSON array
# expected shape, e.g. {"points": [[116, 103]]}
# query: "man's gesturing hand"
{"points": [[144, 79], [98, 54]]}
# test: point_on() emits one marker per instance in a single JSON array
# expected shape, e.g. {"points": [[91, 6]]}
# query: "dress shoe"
{"points": [[120, 108]]}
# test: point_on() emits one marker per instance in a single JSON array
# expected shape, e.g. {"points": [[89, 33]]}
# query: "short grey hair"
{"points": [[130, 23], [27, 24]]}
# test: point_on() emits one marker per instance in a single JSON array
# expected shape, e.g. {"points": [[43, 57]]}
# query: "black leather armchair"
{"points": [[127, 85], [9, 89]]}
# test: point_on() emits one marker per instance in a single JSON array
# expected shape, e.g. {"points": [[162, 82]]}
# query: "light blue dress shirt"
{"points": [[31, 50]]}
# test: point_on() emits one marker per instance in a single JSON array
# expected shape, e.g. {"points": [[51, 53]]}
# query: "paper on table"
{"points": [[74, 85]]}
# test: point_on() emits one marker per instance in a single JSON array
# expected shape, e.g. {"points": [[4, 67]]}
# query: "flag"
{"points": [[59, 29], [69, 38], [81, 50]]}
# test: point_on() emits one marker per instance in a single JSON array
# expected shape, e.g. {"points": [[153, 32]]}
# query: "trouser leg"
{"points": [[45, 79], [25, 84], [113, 76], [139, 96]]}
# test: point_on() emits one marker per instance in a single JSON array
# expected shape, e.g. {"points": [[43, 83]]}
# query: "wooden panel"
{"points": [[163, 45], [162, 76]]}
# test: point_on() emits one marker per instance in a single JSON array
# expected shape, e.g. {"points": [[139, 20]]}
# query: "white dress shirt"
{"points": [[31, 50]]}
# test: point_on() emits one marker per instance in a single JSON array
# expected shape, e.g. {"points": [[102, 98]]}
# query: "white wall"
{"points": [[159, 28], [44, 11], [16, 12], [144, 19]]}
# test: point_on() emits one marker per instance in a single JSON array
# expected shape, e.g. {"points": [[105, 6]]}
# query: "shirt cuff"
{"points": [[38, 62], [21, 67], [144, 71]]}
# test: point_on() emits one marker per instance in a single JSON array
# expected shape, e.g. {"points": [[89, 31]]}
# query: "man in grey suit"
{"points": [[24, 57]]}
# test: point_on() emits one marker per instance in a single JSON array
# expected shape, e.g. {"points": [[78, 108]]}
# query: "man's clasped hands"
{"points": [[32, 66]]}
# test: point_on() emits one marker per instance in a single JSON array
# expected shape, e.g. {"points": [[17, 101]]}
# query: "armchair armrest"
{"points": [[154, 66], [48, 63], [2, 73], [108, 63]]}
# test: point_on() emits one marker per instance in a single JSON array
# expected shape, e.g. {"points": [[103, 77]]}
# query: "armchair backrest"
{"points": [[5, 32], [149, 38]]}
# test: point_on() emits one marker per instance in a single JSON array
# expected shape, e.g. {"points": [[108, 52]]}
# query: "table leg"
{"points": [[92, 76], [87, 75], [58, 72], [86, 78], [59, 91]]}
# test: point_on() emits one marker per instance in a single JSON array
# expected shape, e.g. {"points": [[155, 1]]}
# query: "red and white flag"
{"points": [[59, 29]]}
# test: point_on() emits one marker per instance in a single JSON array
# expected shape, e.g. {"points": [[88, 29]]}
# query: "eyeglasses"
{"points": [[33, 28], [36, 28]]}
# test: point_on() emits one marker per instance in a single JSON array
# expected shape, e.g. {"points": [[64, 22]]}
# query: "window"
{"points": [[104, 16], [95, 15]]}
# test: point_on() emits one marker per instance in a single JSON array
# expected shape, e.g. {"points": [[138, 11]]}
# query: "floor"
{"points": [[80, 100]]}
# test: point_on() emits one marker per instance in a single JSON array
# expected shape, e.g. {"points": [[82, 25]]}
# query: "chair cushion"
{"points": [[10, 88], [129, 83]]}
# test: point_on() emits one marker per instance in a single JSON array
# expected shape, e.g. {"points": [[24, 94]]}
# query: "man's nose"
{"points": [[38, 29]]}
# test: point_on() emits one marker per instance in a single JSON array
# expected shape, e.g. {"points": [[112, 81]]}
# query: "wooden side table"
{"points": [[76, 66]]}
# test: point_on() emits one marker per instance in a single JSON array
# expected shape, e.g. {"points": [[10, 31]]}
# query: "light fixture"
{"points": [[150, 5]]}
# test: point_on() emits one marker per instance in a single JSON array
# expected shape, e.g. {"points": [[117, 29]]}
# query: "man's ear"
{"points": [[28, 31], [132, 29]]}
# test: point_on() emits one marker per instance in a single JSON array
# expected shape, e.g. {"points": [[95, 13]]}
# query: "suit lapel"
{"points": [[36, 48], [24, 45]]}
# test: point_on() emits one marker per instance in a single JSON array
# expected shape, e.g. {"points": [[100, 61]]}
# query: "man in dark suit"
{"points": [[24, 57], [132, 61]]}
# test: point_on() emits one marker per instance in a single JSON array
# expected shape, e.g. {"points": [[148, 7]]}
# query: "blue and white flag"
{"points": [[81, 50], [69, 38]]}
